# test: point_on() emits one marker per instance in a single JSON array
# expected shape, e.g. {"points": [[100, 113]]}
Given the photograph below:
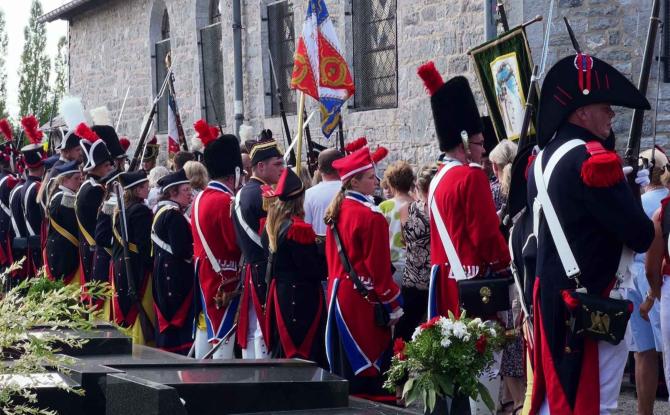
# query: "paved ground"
{"points": [[628, 403]]}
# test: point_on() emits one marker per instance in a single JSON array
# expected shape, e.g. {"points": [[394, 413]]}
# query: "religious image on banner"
{"points": [[509, 94], [504, 67]]}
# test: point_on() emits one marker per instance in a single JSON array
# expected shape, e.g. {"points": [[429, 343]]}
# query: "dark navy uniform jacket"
{"points": [[598, 221]]}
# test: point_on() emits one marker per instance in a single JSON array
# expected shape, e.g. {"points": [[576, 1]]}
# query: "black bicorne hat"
{"points": [[264, 148], [289, 186], [131, 179], [579, 80], [454, 108], [489, 133], [111, 139], [70, 141], [173, 179], [65, 168], [33, 155], [111, 176]]}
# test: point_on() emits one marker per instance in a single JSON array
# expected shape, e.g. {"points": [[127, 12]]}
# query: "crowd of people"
{"points": [[230, 253]]}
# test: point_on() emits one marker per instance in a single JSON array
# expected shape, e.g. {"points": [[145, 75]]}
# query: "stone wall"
{"points": [[111, 50], [612, 30]]}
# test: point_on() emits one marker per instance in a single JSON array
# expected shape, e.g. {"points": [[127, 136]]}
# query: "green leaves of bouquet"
{"points": [[445, 358]]}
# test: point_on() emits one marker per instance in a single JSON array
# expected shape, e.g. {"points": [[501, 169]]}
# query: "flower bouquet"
{"points": [[445, 358]]}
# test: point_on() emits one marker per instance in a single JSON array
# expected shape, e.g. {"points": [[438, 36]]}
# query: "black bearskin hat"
{"points": [[222, 155], [454, 108], [111, 139]]}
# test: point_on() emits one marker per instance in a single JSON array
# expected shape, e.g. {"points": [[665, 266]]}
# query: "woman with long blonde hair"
{"points": [[295, 309], [363, 305]]}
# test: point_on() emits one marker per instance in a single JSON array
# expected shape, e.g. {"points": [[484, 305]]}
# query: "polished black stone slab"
{"points": [[356, 407], [48, 387], [223, 387], [102, 339]]}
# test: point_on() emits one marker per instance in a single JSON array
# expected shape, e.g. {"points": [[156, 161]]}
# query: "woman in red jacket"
{"points": [[358, 342]]}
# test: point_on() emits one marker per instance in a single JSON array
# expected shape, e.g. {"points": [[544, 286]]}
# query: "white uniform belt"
{"points": [[161, 243]]}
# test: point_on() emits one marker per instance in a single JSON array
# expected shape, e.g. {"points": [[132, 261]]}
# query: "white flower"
{"points": [[493, 332], [445, 342], [416, 333], [460, 330]]}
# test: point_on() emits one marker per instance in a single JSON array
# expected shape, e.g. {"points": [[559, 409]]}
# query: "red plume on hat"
{"points": [[125, 143], [431, 77], [31, 128], [85, 132], [206, 132], [355, 145], [6, 129], [379, 154]]}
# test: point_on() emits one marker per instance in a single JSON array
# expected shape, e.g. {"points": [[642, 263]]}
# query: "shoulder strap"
{"points": [[346, 264], [154, 236], [4, 207], [15, 224], [541, 179], [30, 229], [210, 255], [447, 244], [254, 236]]}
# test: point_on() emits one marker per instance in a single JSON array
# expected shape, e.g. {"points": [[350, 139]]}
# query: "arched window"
{"points": [[212, 97], [375, 53], [161, 51]]}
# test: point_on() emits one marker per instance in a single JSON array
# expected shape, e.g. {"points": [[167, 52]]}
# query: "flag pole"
{"points": [[301, 121]]}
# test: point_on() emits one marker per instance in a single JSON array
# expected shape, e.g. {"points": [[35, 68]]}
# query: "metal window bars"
{"points": [[281, 42], [375, 54]]}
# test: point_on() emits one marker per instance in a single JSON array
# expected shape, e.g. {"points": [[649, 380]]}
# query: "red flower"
{"points": [[430, 323], [480, 345], [399, 349]]}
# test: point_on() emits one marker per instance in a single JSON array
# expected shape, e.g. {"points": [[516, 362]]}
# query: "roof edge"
{"points": [[66, 11]]}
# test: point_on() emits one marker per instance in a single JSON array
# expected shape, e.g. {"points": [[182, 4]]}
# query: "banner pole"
{"points": [[301, 121]]}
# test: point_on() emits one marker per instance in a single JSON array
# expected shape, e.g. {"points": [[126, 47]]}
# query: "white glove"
{"points": [[641, 178]]}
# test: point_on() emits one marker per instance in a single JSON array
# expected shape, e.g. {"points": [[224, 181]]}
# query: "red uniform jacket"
{"points": [[213, 211], [463, 198], [365, 233]]}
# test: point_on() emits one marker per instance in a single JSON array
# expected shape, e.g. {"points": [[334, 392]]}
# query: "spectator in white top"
{"points": [[317, 198]]}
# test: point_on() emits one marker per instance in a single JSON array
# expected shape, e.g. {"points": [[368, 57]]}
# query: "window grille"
{"points": [[281, 41], [162, 49], [375, 54], [212, 73]]}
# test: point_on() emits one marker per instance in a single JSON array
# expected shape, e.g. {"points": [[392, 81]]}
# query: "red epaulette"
{"points": [[301, 232], [531, 159], [603, 168], [12, 182]]}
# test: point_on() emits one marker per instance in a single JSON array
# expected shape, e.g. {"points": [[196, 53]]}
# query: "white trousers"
{"points": [[255, 343], [665, 326], [490, 379], [611, 364], [202, 347]]}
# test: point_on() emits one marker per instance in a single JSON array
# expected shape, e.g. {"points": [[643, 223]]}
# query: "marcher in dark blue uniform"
{"points": [[61, 251], [173, 275], [600, 218], [296, 308]]}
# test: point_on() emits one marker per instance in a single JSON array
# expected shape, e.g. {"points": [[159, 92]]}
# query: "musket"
{"points": [[123, 107], [180, 128], [312, 164], [139, 150], [216, 113], [282, 112], [223, 341], [502, 16], [633, 146], [340, 133], [145, 324]]}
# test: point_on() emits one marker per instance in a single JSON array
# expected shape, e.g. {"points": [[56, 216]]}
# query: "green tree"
{"points": [[60, 82], [4, 42], [35, 68]]}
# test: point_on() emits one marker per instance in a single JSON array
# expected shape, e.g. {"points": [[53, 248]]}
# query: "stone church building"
{"points": [[119, 46]]}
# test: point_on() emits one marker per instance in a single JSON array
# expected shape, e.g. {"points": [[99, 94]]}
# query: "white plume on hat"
{"points": [[246, 133], [196, 143], [101, 116], [72, 112]]}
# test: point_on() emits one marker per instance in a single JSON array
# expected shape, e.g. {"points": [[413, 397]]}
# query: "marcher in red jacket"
{"points": [[216, 252], [357, 347]]}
